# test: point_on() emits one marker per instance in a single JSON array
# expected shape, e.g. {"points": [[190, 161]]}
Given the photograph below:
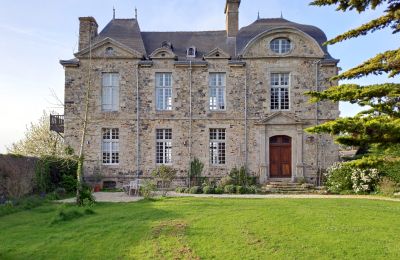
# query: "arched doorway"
{"points": [[280, 156]]}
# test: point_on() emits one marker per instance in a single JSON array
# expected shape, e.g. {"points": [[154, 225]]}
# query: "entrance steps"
{"points": [[285, 187]]}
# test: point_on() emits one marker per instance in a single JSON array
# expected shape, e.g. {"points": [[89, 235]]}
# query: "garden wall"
{"points": [[16, 175]]}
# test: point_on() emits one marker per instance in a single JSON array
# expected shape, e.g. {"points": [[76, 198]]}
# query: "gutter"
{"points": [[137, 123], [190, 116]]}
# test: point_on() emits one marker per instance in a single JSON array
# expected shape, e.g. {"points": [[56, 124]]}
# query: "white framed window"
{"points": [[110, 91], [280, 45], [164, 91], [110, 146], [217, 91], [217, 146], [191, 52], [164, 146], [280, 91]]}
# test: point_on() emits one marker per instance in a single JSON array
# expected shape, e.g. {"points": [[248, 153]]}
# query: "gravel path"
{"points": [[123, 197]]}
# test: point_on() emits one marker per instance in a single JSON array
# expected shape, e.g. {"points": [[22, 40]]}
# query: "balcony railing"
{"points": [[57, 123]]}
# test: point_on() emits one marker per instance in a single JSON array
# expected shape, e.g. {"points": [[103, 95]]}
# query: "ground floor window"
{"points": [[110, 145], [164, 146], [217, 146]]}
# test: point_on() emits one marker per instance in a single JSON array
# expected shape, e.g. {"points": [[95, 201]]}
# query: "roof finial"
{"points": [[135, 13], [113, 13], [281, 15], [258, 15]]}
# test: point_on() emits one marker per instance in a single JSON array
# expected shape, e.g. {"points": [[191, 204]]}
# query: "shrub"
{"points": [[252, 189], [196, 168], [387, 187], [195, 190], [230, 189], [338, 178], [180, 189], [165, 174], [86, 197], [364, 180], [241, 189], [208, 190], [186, 190], [219, 190], [147, 188], [391, 170], [227, 180], [69, 183]]}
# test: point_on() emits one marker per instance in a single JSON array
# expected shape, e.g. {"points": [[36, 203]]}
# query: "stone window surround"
{"points": [[118, 141], [216, 87], [163, 140], [279, 86], [279, 69], [280, 43], [153, 78], [101, 91], [226, 88]]}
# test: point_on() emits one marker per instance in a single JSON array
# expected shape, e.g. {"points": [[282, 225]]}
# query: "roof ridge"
{"points": [[183, 31]]}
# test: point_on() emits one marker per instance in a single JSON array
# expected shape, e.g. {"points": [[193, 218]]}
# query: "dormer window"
{"points": [[109, 51], [280, 45], [191, 52], [167, 44]]}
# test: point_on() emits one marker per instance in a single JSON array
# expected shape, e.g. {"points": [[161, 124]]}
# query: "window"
{"points": [[217, 146], [191, 52], [109, 51], [163, 91], [164, 146], [110, 92], [280, 91], [280, 45], [217, 91], [110, 146]]}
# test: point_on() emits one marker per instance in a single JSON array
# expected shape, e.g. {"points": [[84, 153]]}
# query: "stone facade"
{"points": [[247, 118]]}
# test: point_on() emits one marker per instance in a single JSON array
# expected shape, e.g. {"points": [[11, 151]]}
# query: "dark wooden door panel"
{"points": [[280, 157]]}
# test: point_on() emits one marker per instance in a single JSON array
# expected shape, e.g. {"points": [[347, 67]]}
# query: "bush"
{"points": [[253, 189], [186, 190], [219, 190], [196, 168], [208, 190], [147, 188], [338, 178], [166, 174], [180, 189], [86, 197], [227, 180], [364, 180], [230, 189], [391, 170], [387, 187], [241, 189], [195, 190]]}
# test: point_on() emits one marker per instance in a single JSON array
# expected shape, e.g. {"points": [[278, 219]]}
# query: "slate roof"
{"points": [[127, 32]]}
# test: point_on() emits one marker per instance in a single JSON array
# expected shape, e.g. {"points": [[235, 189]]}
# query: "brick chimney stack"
{"points": [[87, 31], [232, 17]]}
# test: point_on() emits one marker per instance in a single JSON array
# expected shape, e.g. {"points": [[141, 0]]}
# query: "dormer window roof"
{"points": [[191, 52], [167, 44]]}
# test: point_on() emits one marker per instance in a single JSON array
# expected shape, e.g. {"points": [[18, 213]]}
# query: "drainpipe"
{"points": [[137, 123], [317, 139], [190, 117], [245, 121]]}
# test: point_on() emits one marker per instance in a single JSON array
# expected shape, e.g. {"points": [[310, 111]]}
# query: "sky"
{"points": [[35, 35]]}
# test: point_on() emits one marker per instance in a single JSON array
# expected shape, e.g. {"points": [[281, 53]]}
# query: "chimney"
{"points": [[87, 31], [232, 17]]}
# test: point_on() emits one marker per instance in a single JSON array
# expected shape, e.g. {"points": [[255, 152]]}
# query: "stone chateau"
{"points": [[233, 97]]}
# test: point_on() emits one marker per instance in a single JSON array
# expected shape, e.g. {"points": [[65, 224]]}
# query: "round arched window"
{"points": [[280, 45]]}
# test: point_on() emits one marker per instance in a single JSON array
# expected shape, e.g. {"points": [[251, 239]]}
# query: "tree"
{"points": [[379, 124], [196, 168], [166, 174], [39, 140]]}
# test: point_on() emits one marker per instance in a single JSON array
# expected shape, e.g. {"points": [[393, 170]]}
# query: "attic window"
{"points": [[191, 52], [280, 45], [109, 51], [167, 44]]}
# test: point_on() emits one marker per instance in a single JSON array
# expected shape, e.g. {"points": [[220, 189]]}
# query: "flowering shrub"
{"points": [[343, 177], [364, 180]]}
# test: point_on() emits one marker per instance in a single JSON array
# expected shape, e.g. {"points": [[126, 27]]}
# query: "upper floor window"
{"points": [[110, 145], [109, 51], [110, 92], [280, 91], [191, 52], [164, 146], [217, 146], [164, 91], [280, 45], [217, 91]]}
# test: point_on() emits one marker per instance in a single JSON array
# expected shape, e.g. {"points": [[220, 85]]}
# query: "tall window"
{"points": [[217, 91], [110, 146], [280, 91], [164, 91], [110, 91], [163, 146], [217, 146]]}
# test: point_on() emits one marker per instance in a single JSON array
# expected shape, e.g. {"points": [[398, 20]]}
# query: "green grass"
{"points": [[191, 228]]}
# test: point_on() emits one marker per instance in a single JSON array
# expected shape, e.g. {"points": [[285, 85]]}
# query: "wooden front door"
{"points": [[280, 156]]}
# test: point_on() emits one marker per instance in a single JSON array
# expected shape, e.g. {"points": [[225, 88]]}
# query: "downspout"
{"points": [[245, 120], [316, 123], [190, 118], [137, 123]]}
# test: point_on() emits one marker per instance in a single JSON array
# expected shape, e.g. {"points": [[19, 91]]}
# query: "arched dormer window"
{"points": [[109, 51], [167, 44], [280, 45], [191, 52]]}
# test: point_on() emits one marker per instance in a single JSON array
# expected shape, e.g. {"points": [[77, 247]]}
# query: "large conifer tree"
{"points": [[379, 124]]}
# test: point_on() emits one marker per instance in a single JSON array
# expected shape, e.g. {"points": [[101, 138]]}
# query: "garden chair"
{"points": [[134, 185]]}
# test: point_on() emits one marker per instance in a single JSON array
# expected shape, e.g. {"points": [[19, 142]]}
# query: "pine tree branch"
{"points": [[344, 5]]}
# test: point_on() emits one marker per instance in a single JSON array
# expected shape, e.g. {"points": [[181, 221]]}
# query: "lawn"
{"points": [[206, 228]]}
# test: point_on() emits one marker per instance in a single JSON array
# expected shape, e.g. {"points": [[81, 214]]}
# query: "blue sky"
{"points": [[37, 34]]}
